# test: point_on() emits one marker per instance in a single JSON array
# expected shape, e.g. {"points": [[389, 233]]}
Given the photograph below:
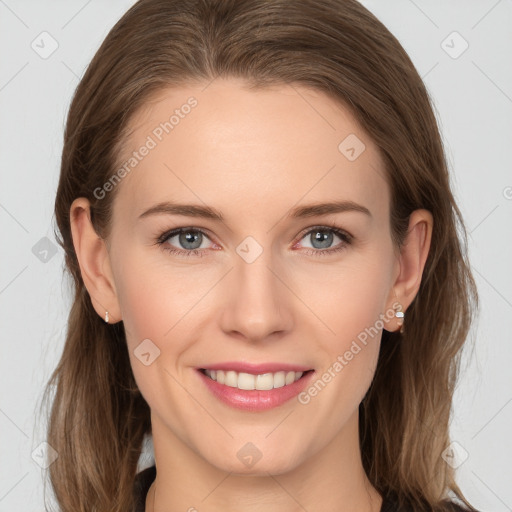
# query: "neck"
{"points": [[332, 479]]}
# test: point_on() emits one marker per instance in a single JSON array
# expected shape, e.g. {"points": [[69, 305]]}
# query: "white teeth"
{"points": [[279, 379], [265, 381], [231, 379], [248, 381], [290, 376]]}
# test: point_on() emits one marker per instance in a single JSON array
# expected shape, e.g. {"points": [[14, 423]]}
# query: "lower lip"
{"points": [[256, 400]]}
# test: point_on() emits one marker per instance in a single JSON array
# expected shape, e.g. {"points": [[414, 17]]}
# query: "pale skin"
{"points": [[254, 156]]}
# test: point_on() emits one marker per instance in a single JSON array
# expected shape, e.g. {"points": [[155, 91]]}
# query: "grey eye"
{"points": [[189, 240], [321, 238]]}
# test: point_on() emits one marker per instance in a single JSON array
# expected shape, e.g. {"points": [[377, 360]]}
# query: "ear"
{"points": [[94, 261], [411, 262]]}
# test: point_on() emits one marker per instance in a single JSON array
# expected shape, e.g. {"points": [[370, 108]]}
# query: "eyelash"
{"points": [[342, 234]]}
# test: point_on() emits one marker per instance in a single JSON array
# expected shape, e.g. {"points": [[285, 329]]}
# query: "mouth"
{"points": [[255, 391]]}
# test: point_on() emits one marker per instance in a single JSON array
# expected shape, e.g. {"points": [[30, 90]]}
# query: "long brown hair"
{"points": [[98, 417]]}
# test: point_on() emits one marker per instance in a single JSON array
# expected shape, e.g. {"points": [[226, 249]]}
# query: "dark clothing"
{"points": [[145, 478]]}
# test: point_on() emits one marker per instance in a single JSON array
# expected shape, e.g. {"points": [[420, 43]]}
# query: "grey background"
{"points": [[472, 93]]}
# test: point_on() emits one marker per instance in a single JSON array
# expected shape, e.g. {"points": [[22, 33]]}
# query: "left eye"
{"points": [[323, 238]]}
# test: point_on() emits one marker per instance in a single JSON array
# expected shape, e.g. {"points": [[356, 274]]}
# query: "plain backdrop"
{"points": [[462, 49]]}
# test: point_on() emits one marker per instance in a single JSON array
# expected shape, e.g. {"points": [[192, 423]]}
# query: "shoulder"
{"points": [[390, 504], [143, 481]]}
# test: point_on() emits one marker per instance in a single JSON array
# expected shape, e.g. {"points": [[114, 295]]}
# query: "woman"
{"points": [[256, 212]]}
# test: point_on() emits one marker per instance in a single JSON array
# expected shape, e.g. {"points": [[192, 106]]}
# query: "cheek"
{"points": [[155, 296], [351, 299], [142, 301], [155, 300], [348, 355], [351, 307], [166, 304]]}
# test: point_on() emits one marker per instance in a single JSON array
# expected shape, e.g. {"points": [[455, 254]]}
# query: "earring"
{"points": [[399, 315], [106, 317]]}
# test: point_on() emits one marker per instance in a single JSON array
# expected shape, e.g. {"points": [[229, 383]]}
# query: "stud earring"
{"points": [[399, 315], [106, 317]]}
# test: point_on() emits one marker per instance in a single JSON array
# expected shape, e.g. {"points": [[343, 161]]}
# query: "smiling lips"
{"points": [[255, 387]]}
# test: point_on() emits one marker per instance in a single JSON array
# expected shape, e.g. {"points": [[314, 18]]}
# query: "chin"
{"points": [[249, 461]]}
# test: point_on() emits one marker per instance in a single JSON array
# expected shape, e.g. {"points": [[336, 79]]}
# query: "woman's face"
{"points": [[259, 281]]}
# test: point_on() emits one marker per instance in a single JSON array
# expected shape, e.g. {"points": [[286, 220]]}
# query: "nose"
{"points": [[257, 304]]}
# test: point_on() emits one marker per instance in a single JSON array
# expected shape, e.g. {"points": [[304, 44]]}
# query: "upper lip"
{"points": [[256, 369]]}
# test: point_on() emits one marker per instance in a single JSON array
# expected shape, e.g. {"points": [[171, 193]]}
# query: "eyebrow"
{"points": [[187, 210], [328, 208], [207, 212]]}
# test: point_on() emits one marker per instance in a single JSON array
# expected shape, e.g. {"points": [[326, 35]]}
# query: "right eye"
{"points": [[184, 241]]}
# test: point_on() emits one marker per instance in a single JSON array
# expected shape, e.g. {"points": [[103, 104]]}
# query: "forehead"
{"points": [[237, 148]]}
